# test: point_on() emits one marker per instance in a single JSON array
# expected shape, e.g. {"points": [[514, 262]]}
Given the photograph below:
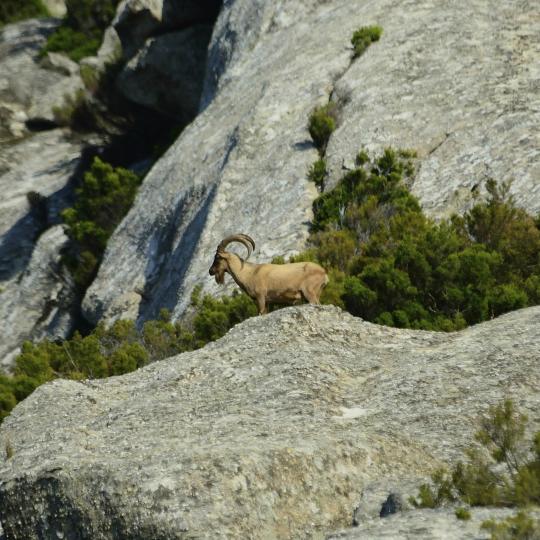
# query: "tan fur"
{"points": [[269, 283]]}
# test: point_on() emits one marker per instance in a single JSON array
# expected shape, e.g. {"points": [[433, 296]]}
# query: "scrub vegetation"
{"points": [[81, 31], [391, 264], [501, 470], [364, 37], [17, 10], [103, 199], [121, 348]]}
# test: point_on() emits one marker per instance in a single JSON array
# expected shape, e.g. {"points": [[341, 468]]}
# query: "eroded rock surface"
{"points": [[31, 280], [57, 8], [277, 430], [458, 82], [42, 302]]}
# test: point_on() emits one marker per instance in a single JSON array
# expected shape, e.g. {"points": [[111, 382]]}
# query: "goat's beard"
{"points": [[220, 278]]}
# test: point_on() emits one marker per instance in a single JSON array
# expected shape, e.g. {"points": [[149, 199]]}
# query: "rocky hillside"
{"points": [[290, 426], [41, 158], [36, 294], [457, 82]]}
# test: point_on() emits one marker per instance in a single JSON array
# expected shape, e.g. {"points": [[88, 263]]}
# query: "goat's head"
{"points": [[220, 264]]}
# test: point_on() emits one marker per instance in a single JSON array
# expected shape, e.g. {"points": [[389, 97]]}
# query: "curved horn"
{"points": [[242, 239]]}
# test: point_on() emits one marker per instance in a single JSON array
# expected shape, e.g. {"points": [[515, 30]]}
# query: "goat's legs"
{"points": [[261, 304], [312, 290]]}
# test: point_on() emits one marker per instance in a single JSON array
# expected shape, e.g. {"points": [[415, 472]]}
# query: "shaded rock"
{"points": [[108, 55], [25, 85], [242, 164], [382, 495], [392, 505], [137, 20], [43, 165], [270, 432], [167, 74]]}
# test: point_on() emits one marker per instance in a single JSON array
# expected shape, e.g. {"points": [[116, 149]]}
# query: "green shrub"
{"points": [[480, 481], [317, 173], [74, 43], [519, 527], [398, 267], [104, 197], [88, 15], [364, 37], [322, 123], [81, 32], [17, 10], [462, 513]]}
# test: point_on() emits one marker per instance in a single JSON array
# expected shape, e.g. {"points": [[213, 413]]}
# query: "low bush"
{"points": [[463, 514], [518, 527], [17, 10], [74, 43], [322, 123], [90, 15], [364, 37], [391, 264], [102, 200], [81, 32], [501, 471], [317, 173]]}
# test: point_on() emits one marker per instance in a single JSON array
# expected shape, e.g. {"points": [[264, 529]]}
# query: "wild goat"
{"points": [[266, 283]]}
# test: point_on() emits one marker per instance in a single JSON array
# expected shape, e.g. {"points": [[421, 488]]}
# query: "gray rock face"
{"points": [[274, 431], [167, 74], [30, 279], [457, 82], [27, 87], [460, 84], [244, 166], [60, 63]]}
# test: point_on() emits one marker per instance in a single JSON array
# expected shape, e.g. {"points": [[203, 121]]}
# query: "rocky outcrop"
{"points": [[43, 301], [167, 73], [165, 45], [278, 430], [457, 85], [34, 180], [456, 82]]}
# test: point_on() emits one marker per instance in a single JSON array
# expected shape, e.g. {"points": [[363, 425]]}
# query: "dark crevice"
{"points": [[40, 124]]}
